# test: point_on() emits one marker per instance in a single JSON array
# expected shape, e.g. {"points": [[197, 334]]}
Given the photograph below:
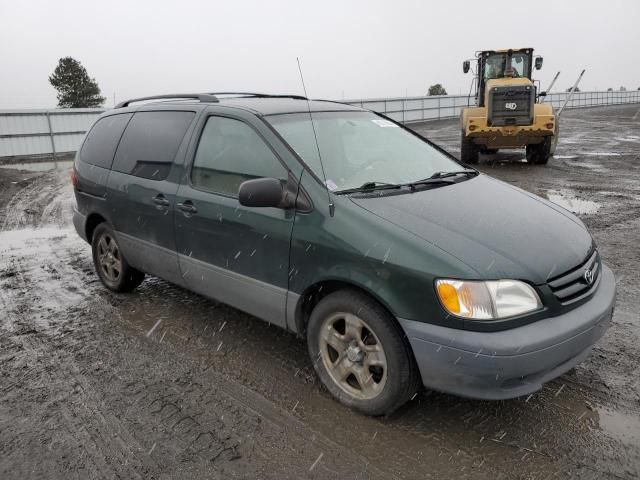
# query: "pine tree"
{"points": [[437, 89], [75, 88]]}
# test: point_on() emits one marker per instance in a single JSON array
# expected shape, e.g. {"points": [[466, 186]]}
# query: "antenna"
{"points": [[315, 136]]}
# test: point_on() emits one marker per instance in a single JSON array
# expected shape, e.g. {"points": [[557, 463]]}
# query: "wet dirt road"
{"points": [[163, 383]]}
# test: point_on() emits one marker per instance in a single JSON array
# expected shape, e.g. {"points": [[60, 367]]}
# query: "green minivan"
{"points": [[400, 266]]}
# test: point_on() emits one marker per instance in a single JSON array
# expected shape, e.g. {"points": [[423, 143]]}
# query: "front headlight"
{"points": [[488, 300]]}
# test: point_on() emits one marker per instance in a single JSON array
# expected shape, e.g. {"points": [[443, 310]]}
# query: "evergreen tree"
{"points": [[437, 89], [75, 88]]}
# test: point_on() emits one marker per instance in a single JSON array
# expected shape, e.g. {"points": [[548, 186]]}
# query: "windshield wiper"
{"points": [[438, 177], [441, 177], [369, 187], [453, 174]]}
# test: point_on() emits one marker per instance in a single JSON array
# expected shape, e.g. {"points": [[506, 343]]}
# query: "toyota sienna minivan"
{"points": [[400, 266]]}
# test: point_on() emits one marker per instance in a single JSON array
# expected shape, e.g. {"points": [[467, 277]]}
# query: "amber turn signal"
{"points": [[449, 297]]}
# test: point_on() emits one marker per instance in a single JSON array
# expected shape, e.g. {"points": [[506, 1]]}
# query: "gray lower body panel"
{"points": [[150, 258], [257, 298], [510, 363]]}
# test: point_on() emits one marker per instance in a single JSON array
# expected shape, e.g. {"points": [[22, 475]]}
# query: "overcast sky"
{"points": [[348, 49]]}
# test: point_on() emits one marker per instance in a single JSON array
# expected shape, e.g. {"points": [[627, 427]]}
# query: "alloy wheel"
{"points": [[109, 258], [353, 355]]}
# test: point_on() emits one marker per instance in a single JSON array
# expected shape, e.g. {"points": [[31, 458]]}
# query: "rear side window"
{"points": [[151, 142], [102, 140], [230, 152]]}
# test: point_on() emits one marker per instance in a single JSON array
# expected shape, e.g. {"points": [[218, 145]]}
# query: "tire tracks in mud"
{"points": [[42, 201]]}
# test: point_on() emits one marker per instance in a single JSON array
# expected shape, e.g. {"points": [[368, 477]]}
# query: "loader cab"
{"points": [[502, 64]]}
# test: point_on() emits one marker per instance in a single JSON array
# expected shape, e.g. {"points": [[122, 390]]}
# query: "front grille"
{"points": [[573, 285], [511, 105]]}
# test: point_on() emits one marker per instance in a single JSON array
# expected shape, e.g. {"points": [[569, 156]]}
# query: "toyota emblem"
{"points": [[588, 276]]}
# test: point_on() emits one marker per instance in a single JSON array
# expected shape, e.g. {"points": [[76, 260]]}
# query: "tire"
{"points": [[111, 266], [490, 151], [352, 337], [468, 150], [539, 153]]}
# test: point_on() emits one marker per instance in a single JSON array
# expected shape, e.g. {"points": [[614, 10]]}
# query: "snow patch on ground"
{"points": [[601, 154]]}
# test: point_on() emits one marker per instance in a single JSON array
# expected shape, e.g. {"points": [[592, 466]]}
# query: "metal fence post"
{"points": [[53, 143]]}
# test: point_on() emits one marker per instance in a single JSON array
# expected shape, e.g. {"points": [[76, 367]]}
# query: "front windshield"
{"points": [[360, 147], [496, 63]]}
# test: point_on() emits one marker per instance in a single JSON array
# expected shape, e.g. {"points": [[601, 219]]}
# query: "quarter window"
{"points": [[150, 143], [230, 152], [102, 140]]}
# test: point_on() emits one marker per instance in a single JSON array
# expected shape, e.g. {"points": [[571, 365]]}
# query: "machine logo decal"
{"points": [[511, 105]]}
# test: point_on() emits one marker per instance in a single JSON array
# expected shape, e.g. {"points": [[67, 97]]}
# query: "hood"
{"points": [[498, 230]]}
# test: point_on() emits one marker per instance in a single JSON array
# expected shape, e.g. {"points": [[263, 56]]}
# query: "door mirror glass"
{"points": [[262, 192], [465, 66], [538, 63]]}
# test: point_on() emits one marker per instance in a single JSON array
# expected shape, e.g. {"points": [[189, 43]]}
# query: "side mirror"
{"points": [[465, 66], [538, 63], [542, 94], [263, 192]]}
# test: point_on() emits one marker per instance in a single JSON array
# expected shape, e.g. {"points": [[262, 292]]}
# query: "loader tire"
{"points": [[539, 153], [468, 150]]}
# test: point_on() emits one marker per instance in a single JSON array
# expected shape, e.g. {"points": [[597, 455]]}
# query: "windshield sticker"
{"points": [[384, 123], [331, 185]]}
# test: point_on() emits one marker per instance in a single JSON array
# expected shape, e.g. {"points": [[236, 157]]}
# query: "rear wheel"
{"points": [[360, 353], [112, 268], [539, 153], [554, 140], [468, 150]]}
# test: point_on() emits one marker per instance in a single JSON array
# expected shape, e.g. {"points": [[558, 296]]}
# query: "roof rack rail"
{"points": [[202, 97], [259, 95]]}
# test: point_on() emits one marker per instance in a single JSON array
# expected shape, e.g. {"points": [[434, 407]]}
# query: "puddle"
{"points": [[564, 157], [41, 166], [566, 199], [620, 425]]}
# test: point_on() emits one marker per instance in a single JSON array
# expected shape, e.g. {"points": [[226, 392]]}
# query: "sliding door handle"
{"points": [[188, 207]]}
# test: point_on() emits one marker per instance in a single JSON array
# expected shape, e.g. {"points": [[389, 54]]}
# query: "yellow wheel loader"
{"points": [[509, 113]]}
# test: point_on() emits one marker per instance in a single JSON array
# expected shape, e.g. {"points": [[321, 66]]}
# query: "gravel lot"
{"points": [[163, 383]]}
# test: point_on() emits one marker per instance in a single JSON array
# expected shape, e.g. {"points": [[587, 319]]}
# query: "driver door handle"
{"points": [[161, 200]]}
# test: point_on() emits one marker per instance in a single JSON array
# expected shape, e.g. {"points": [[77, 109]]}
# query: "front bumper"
{"points": [[509, 136], [510, 363]]}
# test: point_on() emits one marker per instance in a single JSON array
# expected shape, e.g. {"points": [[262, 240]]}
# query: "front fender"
{"points": [[357, 247]]}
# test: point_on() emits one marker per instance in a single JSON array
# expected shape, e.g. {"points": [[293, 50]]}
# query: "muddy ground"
{"points": [[163, 383]]}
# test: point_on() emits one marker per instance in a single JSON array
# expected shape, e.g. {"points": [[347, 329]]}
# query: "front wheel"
{"points": [[360, 353], [113, 269]]}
